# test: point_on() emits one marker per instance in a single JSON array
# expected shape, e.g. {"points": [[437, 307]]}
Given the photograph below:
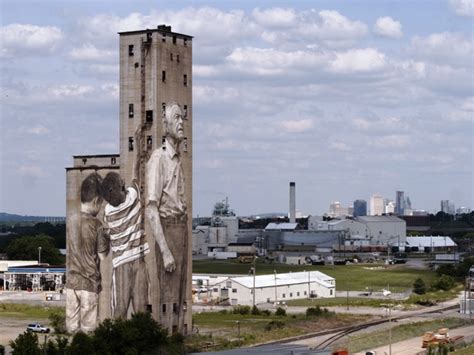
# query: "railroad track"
{"points": [[339, 333]]}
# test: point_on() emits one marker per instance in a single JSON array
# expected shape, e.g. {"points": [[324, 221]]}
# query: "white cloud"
{"points": [[358, 60], [340, 146], [388, 27], [264, 61], [465, 113], [336, 26], [204, 70], [445, 47], [89, 52], [296, 126], [28, 39], [275, 17], [463, 7], [67, 91], [38, 130]]}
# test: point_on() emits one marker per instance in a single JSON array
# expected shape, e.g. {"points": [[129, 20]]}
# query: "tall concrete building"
{"points": [[155, 74], [360, 208], [376, 205]]}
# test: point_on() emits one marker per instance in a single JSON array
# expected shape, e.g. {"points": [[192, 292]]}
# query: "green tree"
{"points": [[26, 248], [419, 286], [26, 344], [57, 320], [81, 344]]}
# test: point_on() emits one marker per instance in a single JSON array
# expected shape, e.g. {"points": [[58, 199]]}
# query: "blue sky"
{"points": [[346, 98]]}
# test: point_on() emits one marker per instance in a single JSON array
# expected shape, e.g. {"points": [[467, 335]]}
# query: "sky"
{"points": [[346, 98]]}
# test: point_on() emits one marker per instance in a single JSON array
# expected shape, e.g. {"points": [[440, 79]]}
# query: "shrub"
{"points": [[2, 350], [256, 311], [419, 286], [223, 311], [280, 312], [243, 310], [266, 312], [274, 324], [444, 282], [314, 311]]}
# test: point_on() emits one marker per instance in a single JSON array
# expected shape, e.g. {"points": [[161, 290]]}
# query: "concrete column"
{"points": [[292, 202]]}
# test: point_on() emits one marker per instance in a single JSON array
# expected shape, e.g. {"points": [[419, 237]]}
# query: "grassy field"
{"points": [[17, 310], [348, 277], [468, 350], [221, 331], [399, 333]]}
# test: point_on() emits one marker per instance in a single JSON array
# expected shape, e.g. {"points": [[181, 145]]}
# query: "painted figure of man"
{"points": [[166, 215], [123, 217], [86, 240]]}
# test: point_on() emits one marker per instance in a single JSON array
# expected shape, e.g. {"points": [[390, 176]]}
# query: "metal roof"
{"points": [[430, 241], [379, 219], [290, 278], [281, 226]]}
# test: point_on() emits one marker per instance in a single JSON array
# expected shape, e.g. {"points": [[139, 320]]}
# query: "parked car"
{"points": [[37, 328]]}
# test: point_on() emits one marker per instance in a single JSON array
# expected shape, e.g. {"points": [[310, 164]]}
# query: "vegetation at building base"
{"points": [[225, 330], [399, 333], [26, 248], [139, 335]]}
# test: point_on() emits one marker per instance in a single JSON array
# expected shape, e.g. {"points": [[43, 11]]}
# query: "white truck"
{"points": [[38, 328]]}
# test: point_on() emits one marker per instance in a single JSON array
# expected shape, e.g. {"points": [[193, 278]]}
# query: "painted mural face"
{"points": [[174, 126]]}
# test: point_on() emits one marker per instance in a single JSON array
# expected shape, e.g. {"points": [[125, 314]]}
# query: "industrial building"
{"points": [[430, 244], [274, 288]]}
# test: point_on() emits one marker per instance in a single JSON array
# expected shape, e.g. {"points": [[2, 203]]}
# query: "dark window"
{"points": [[163, 307], [305, 293], [148, 36], [185, 144], [130, 144], [163, 76], [177, 58], [149, 116], [163, 37], [136, 64], [174, 39], [297, 293], [175, 307], [171, 56], [113, 161], [130, 110], [185, 80], [234, 290], [185, 42], [149, 142], [283, 295], [84, 161], [163, 141], [185, 109], [291, 294], [163, 109], [130, 50]]}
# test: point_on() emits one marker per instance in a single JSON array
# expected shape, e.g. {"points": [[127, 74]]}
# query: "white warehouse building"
{"points": [[275, 288]]}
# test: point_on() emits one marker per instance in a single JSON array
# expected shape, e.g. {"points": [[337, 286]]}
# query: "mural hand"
{"points": [[169, 262]]}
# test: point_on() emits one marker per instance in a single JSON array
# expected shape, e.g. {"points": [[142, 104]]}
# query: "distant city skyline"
{"points": [[347, 99]]}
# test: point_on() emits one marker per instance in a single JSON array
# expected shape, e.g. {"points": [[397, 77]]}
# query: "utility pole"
{"points": [[254, 272], [390, 329], [39, 255], [275, 275]]}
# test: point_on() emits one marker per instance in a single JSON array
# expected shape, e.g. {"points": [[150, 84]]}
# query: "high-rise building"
{"points": [[399, 203], [389, 206], [360, 208], [376, 205]]}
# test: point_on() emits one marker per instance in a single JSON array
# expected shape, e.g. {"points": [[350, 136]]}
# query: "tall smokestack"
{"points": [[292, 202]]}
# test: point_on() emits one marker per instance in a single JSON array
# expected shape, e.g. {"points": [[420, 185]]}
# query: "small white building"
{"points": [[275, 287]]}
